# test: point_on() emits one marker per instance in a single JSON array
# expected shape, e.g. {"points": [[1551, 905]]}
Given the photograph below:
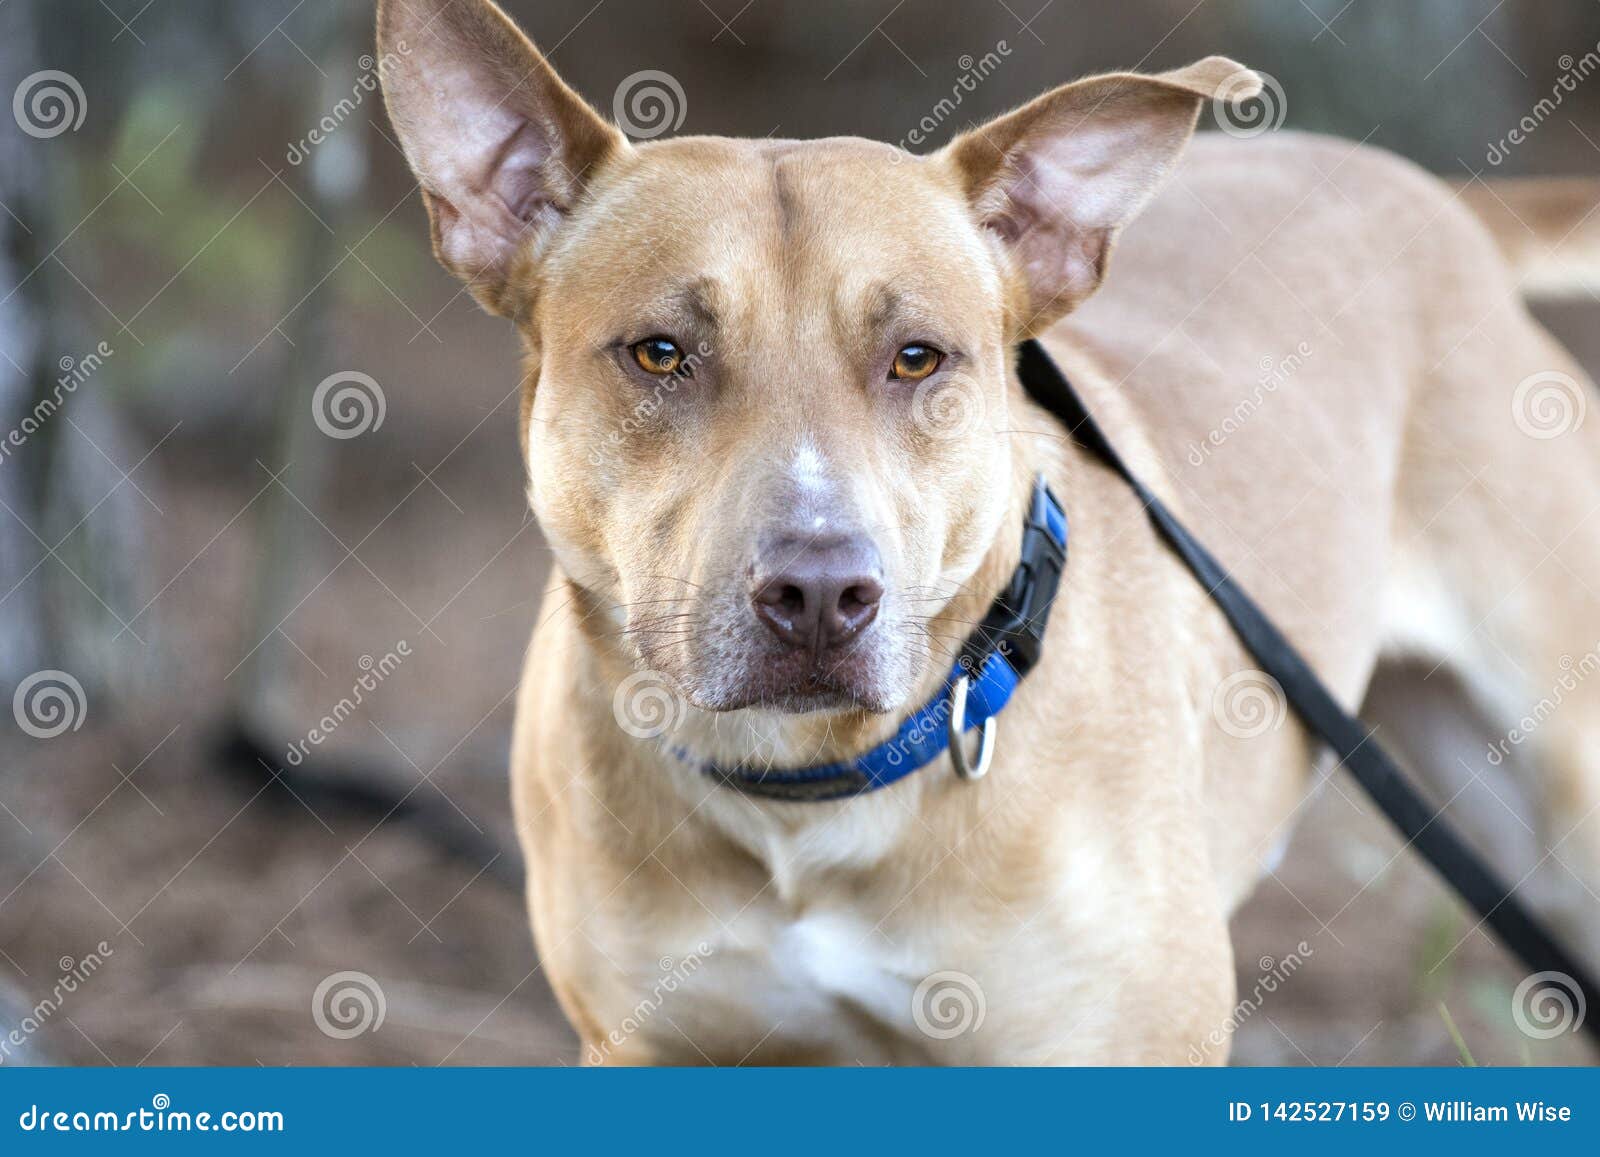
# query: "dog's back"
{"points": [[1331, 357]]}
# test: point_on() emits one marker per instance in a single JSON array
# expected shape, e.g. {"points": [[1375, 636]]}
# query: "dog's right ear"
{"points": [[501, 147]]}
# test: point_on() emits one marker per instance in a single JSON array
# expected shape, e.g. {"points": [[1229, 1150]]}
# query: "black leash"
{"points": [[1418, 822]]}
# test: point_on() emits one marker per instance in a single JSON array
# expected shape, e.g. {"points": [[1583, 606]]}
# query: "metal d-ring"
{"points": [[958, 723]]}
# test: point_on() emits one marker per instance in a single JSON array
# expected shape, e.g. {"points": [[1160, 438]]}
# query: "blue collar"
{"points": [[1003, 649]]}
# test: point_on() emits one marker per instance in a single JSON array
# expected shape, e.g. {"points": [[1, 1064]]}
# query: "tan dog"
{"points": [[774, 438]]}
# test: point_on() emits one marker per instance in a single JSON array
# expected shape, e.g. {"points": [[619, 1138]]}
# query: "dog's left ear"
{"points": [[1058, 178]]}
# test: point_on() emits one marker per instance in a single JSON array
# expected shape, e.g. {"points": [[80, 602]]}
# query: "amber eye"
{"points": [[657, 355], [915, 362]]}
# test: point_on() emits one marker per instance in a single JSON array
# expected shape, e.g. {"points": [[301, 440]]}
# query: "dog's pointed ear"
{"points": [[502, 148], [1055, 180]]}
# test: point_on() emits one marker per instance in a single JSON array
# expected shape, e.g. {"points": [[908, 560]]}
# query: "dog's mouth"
{"points": [[799, 687], [787, 682]]}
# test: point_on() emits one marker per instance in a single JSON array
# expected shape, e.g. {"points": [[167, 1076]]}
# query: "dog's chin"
{"points": [[788, 686]]}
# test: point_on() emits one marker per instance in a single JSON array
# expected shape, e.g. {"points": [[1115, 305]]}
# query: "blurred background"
{"points": [[266, 571]]}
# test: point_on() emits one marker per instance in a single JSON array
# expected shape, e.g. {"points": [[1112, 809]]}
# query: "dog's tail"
{"points": [[1547, 227]]}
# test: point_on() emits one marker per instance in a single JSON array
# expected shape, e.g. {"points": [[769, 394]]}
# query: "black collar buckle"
{"points": [[1015, 624]]}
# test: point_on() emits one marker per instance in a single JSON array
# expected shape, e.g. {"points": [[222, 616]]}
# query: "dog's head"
{"points": [[766, 401]]}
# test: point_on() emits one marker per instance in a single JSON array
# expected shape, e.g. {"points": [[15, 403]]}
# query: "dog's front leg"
{"points": [[1167, 999]]}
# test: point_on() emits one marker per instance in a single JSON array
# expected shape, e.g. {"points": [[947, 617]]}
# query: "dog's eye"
{"points": [[915, 362], [657, 355]]}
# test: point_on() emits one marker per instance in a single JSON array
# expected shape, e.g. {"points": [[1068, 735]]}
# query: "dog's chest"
{"points": [[828, 985], [838, 956], [804, 945]]}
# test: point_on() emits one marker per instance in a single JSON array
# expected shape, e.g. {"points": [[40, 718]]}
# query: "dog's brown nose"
{"points": [[818, 593]]}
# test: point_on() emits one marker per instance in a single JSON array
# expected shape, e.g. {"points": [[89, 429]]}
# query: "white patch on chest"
{"points": [[814, 964], [848, 958], [818, 976]]}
